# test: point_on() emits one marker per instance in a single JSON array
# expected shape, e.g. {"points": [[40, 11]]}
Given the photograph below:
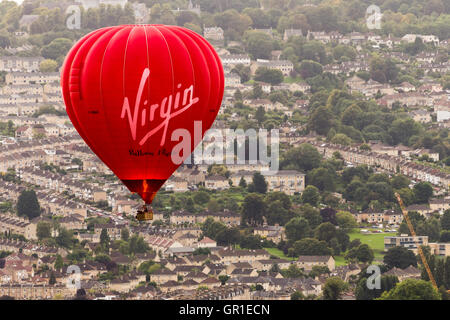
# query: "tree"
{"points": [[282, 197], [43, 230], [260, 115], [190, 206], [302, 158], [400, 181], [257, 91], [346, 220], [342, 139], [328, 215], [447, 272], [259, 44], [244, 73], [334, 288], [214, 206], [65, 238], [399, 257], [253, 209], [423, 191], [57, 48], [311, 214], [322, 178], [48, 65], [297, 295], [223, 278], [125, 234], [293, 272], [251, 241], [412, 289], [342, 51], [445, 220], [309, 247], [415, 47], [52, 279], [326, 231], [259, 183], [321, 120], [362, 292], [201, 197], [309, 68], [228, 236], [232, 22], [104, 238], [201, 251], [212, 228], [311, 195], [277, 213], [318, 270], [28, 205], [445, 236], [363, 253], [402, 130], [297, 229], [272, 76], [242, 183], [59, 263], [439, 272], [383, 70]]}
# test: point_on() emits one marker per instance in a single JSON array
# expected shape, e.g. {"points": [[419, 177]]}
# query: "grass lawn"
{"points": [[373, 240], [340, 261], [292, 80], [278, 253]]}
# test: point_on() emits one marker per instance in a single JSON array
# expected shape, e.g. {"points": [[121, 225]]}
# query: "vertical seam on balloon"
{"points": [[193, 75], [85, 136], [184, 45], [124, 65], [220, 68], [101, 87], [148, 83], [170, 58], [65, 73], [179, 29], [216, 59], [125, 59]]}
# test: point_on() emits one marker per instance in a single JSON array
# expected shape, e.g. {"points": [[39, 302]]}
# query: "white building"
{"points": [[425, 38]]}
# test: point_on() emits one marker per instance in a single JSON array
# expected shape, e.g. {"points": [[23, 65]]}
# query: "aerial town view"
{"points": [[318, 167]]}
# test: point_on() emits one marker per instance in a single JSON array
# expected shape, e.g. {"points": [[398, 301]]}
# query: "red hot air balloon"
{"points": [[127, 88]]}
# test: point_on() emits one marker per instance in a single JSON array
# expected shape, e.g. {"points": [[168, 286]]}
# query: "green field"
{"points": [[373, 240], [278, 253], [339, 260]]}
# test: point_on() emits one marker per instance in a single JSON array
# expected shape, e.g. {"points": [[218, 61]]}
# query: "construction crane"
{"points": [[413, 234]]}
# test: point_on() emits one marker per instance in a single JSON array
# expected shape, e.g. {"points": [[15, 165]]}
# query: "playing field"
{"points": [[373, 240]]}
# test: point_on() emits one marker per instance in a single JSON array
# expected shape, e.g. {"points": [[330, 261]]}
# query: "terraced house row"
{"points": [[184, 217], [60, 183], [27, 153], [392, 164]]}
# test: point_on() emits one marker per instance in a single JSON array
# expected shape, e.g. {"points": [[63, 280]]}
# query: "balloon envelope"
{"points": [[128, 88]]}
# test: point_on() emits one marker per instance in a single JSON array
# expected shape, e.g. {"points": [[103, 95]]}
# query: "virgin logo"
{"points": [[169, 108]]}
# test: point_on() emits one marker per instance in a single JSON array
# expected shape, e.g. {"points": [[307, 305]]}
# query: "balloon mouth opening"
{"points": [[145, 188]]}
